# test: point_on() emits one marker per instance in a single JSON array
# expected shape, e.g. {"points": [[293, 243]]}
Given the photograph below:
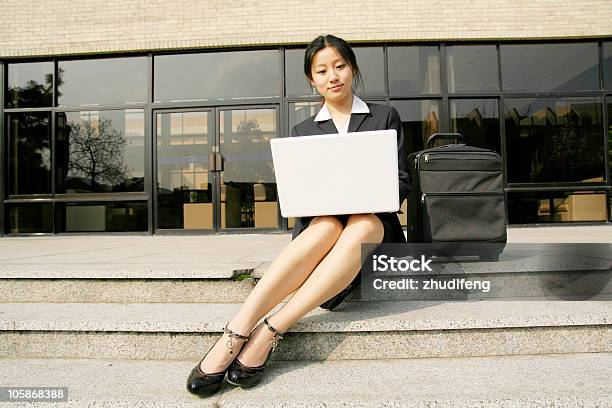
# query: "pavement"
{"points": [[576, 380], [216, 256]]}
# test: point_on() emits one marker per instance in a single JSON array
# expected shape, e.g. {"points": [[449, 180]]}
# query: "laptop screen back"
{"points": [[351, 173]]}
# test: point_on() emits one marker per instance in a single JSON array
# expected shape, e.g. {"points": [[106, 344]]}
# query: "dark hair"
{"points": [[343, 49]]}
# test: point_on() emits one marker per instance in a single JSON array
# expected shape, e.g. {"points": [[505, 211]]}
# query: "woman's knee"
{"points": [[368, 226], [330, 226]]}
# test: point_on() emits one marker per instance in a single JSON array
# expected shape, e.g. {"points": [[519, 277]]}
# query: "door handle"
{"points": [[216, 162], [212, 158], [219, 162]]}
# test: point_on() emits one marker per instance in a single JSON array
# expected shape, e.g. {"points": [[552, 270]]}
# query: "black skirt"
{"points": [[393, 232]]}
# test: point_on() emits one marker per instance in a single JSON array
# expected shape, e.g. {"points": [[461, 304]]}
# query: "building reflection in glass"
{"points": [[100, 151], [420, 119], [554, 140], [478, 121]]}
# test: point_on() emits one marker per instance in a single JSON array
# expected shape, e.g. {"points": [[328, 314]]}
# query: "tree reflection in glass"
{"points": [[29, 153], [30, 85], [96, 155]]}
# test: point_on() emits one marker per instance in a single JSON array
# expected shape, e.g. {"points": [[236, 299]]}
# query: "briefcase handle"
{"points": [[457, 137]]}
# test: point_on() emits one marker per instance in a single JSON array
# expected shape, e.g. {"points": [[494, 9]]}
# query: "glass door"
{"points": [[247, 184], [185, 147]]}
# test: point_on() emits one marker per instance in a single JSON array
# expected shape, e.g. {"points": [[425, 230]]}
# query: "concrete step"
{"points": [[98, 268], [522, 271], [236, 287], [113, 256], [359, 330], [570, 380]]}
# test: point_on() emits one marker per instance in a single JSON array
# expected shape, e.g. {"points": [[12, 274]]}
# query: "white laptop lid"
{"points": [[350, 173]]}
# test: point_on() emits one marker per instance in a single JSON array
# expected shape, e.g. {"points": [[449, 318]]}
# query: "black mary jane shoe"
{"points": [[204, 384], [246, 377]]}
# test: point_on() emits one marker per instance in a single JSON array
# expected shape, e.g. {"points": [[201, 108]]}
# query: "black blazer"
{"points": [[381, 117]]}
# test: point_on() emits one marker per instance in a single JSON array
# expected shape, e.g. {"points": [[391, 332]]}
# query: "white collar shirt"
{"points": [[359, 106]]}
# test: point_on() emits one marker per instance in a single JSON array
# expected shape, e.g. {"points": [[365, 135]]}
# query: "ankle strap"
{"points": [[233, 333], [277, 334]]}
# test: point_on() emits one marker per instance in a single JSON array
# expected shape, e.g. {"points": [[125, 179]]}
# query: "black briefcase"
{"points": [[457, 193]]}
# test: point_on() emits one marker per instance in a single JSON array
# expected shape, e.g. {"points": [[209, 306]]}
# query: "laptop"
{"points": [[332, 174]]}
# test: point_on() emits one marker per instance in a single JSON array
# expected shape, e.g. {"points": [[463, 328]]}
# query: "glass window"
{"points": [[371, 61], [108, 81], [30, 218], [478, 121], [607, 64], [102, 217], [30, 85], [549, 67], [556, 206], [184, 185], [100, 151], [554, 140], [29, 153], [610, 140], [300, 111], [214, 76], [414, 70], [420, 119], [295, 80], [472, 68]]}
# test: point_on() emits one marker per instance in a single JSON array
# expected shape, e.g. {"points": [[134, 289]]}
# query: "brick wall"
{"points": [[54, 27]]}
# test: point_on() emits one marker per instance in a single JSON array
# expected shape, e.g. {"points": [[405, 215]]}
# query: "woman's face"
{"points": [[331, 75]]}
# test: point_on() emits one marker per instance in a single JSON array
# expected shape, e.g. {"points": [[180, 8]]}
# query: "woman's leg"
{"points": [[331, 276], [287, 272]]}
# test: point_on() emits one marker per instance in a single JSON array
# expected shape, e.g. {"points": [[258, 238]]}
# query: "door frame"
{"points": [[216, 177]]}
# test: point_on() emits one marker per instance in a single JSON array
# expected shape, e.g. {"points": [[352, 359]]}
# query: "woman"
{"points": [[324, 256]]}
